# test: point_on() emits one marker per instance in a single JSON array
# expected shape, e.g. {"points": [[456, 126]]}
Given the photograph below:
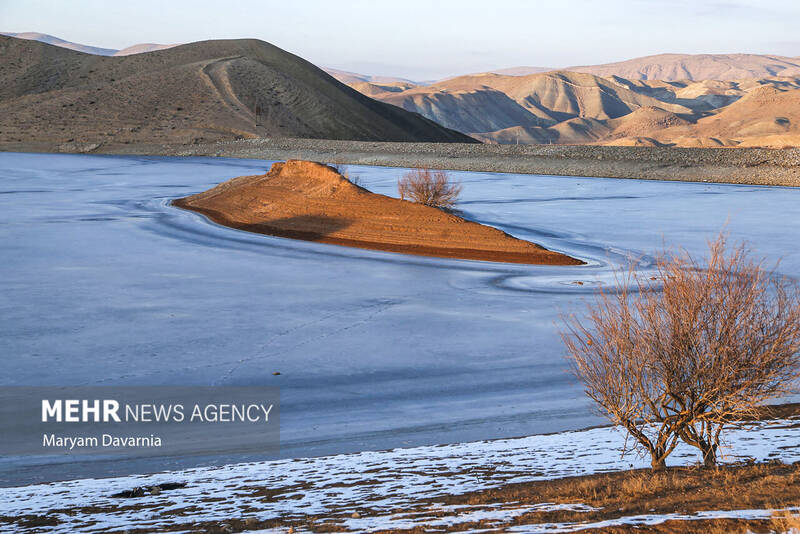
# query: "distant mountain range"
{"points": [[666, 99], [664, 67], [205, 91], [708, 100], [578, 108], [677, 67], [348, 77], [49, 39]]}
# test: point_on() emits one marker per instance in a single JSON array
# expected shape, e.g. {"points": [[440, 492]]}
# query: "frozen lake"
{"points": [[103, 283]]}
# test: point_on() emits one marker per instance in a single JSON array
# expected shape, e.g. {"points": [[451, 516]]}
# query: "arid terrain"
{"points": [[564, 107], [704, 100], [221, 90], [402, 378], [310, 201], [193, 93]]}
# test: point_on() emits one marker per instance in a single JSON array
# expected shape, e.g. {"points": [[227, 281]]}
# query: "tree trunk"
{"points": [[710, 456], [657, 464]]}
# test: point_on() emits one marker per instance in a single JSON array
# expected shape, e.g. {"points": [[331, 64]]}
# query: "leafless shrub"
{"points": [[354, 179], [338, 167], [682, 361], [432, 188]]}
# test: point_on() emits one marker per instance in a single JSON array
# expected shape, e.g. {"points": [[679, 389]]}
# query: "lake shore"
{"points": [[562, 482], [717, 165]]}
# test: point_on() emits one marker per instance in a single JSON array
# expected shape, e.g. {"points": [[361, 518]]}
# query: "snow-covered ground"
{"points": [[370, 491]]}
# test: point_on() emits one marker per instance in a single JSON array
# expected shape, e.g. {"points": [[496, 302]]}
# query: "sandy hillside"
{"points": [[644, 121], [477, 110], [311, 201], [579, 108], [764, 117], [205, 91], [541, 100]]}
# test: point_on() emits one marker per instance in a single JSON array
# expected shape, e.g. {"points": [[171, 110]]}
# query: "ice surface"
{"points": [[103, 283]]}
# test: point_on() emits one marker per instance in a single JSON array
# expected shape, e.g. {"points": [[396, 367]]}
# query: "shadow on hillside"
{"points": [[305, 227]]}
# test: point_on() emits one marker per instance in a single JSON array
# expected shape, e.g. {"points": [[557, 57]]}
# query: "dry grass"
{"points": [[786, 522], [432, 188], [681, 490], [614, 495]]}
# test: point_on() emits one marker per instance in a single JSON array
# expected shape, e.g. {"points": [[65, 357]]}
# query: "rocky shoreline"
{"points": [[719, 165]]}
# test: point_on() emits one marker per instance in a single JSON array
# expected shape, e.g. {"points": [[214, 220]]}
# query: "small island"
{"points": [[313, 202]]}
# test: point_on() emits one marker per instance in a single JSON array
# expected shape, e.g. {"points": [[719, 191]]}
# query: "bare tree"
{"points": [[432, 188], [680, 355]]}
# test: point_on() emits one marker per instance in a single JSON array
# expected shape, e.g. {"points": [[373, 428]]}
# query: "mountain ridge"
{"points": [[204, 91]]}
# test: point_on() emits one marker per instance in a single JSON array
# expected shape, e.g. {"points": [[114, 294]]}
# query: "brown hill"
{"points": [[311, 201], [671, 67], [766, 116], [476, 110], [576, 131], [564, 95], [551, 97], [574, 108], [209, 90], [705, 95], [554, 107], [487, 105], [644, 121]]}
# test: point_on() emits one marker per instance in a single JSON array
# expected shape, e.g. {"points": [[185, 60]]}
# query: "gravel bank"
{"points": [[739, 165]]}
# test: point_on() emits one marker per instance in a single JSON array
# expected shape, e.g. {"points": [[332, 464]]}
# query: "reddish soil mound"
{"points": [[311, 201]]}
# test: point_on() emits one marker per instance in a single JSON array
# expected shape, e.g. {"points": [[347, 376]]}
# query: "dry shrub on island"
{"points": [[344, 171], [680, 355], [432, 188]]}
